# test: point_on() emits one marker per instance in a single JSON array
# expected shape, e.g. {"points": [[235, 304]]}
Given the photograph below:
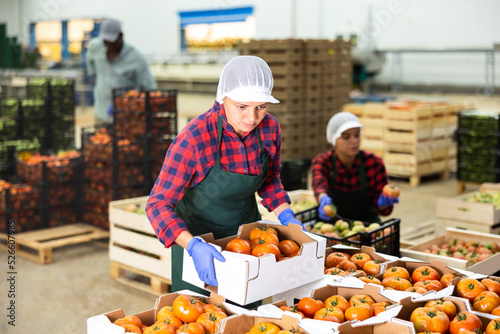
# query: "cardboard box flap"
{"points": [[319, 326], [100, 324], [387, 327], [243, 323], [372, 290]]}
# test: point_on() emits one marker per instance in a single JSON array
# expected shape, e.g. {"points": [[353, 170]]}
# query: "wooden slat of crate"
{"points": [[37, 246], [404, 159], [441, 144], [409, 125], [253, 47], [375, 110], [439, 165], [289, 80], [355, 108], [458, 209], [411, 137], [286, 67], [279, 50], [157, 285], [463, 225], [423, 148], [408, 170], [372, 145], [443, 131], [439, 154]]}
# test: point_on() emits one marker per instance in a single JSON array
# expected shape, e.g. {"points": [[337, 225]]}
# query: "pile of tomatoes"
{"points": [[439, 316], [264, 240], [342, 264], [187, 315], [337, 308], [483, 295]]}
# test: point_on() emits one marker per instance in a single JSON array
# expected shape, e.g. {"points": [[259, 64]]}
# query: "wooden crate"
{"points": [[393, 135], [486, 267], [37, 246], [283, 50], [354, 108], [457, 209], [133, 242], [409, 119]]}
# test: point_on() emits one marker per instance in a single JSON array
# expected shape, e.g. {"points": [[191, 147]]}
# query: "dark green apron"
{"points": [[220, 203], [356, 204]]}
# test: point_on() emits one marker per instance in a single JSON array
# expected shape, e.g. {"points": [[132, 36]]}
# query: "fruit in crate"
{"points": [[101, 137], [472, 251], [485, 198], [303, 205], [330, 210]]}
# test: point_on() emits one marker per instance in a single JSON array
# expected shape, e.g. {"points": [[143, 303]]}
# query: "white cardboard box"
{"points": [[245, 279]]}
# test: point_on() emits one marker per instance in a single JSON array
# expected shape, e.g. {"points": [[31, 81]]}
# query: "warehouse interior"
{"points": [[421, 76]]}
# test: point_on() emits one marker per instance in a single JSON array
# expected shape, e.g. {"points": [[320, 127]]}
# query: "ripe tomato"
{"points": [[496, 311], [446, 279], [264, 327], [130, 328], [465, 320], [400, 284], [159, 328], [191, 328], [371, 267], [240, 246], [265, 248], [187, 308], [379, 307], [396, 271], [292, 309], [289, 247], [333, 259], [424, 274], [210, 321], [309, 306], [365, 299], [486, 302], [256, 231], [129, 319], [213, 308], [265, 237], [337, 301], [347, 266], [429, 319], [371, 279], [445, 306], [360, 312], [493, 327], [469, 288], [360, 259], [416, 290], [390, 191], [336, 271], [172, 321], [330, 314], [165, 312], [491, 285], [429, 285]]}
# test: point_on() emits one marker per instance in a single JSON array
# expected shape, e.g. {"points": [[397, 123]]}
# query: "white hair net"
{"points": [[339, 123], [246, 79]]}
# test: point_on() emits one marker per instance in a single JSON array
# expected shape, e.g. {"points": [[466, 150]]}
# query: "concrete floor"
{"points": [[60, 296]]}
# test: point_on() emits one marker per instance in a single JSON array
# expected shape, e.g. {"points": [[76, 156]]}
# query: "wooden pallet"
{"points": [[415, 178], [137, 278], [462, 185], [37, 245], [416, 234]]}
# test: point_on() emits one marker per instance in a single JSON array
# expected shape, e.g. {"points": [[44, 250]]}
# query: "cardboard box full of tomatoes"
{"points": [[245, 278]]}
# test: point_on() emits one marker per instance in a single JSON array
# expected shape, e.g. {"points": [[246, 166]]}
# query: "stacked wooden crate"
{"points": [[312, 79], [415, 139]]}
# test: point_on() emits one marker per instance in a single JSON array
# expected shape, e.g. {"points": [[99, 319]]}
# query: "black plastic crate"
{"points": [[384, 239], [47, 169], [481, 158], [478, 139], [96, 215], [9, 129], [294, 173], [10, 108], [128, 174], [142, 101], [479, 121], [102, 145], [20, 197], [472, 173], [100, 195]]}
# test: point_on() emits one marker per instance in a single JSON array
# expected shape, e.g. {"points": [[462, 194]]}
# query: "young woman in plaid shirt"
{"points": [[348, 177], [215, 166]]}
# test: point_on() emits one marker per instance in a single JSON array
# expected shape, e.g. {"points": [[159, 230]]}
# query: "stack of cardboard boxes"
{"points": [[312, 80]]}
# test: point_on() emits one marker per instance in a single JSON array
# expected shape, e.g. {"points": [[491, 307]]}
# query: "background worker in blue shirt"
{"points": [[115, 64]]}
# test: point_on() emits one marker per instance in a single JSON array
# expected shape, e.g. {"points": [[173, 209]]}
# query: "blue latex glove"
{"points": [[110, 110], [384, 201], [288, 217], [203, 255], [325, 200]]}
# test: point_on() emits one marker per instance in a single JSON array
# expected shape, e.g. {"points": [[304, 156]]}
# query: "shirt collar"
{"points": [[341, 169]]}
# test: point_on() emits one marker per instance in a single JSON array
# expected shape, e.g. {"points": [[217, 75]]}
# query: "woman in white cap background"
{"points": [[214, 167], [350, 178]]}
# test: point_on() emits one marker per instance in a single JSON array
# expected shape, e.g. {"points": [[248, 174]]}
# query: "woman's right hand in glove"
{"points": [[324, 200], [203, 255]]}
